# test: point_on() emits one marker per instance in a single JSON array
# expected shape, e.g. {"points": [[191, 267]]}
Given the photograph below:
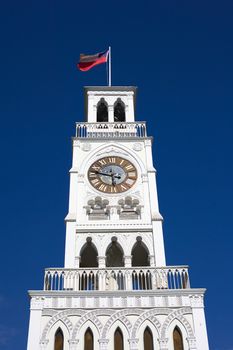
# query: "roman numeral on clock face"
{"points": [[129, 167], [95, 167], [92, 174], [95, 182], [102, 187], [102, 162]]}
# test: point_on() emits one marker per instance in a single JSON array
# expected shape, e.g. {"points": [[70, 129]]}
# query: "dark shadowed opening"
{"points": [[140, 256], [88, 256], [114, 255], [177, 339], [59, 340], [102, 111], [148, 339], [119, 111], [118, 340]]}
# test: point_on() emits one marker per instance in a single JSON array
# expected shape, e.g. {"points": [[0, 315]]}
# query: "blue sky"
{"points": [[179, 54]]}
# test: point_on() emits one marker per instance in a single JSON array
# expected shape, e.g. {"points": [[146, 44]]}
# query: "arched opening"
{"points": [[177, 339], [119, 111], [59, 340], [88, 255], [140, 254], [114, 255], [102, 111], [88, 340], [148, 339], [118, 340]]}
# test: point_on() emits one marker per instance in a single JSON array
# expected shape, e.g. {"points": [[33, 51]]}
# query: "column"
{"points": [[35, 324], [73, 344], [199, 322], [133, 344], [110, 114], [103, 344]]}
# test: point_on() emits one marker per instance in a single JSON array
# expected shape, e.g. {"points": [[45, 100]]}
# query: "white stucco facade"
{"points": [[106, 297]]}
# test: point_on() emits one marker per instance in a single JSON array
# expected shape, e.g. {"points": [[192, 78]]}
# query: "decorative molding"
{"points": [[112, 149], [163, 344], [192, 343], [103, 344], [133, 343], [92, 316], [197, 300], [119, 315], [81, 178], [156, 217], [76, 143], [43, 344], [37, 303], [63, 317], [86, 147], [137, 146], [178, 314], [150, 315], [73, 344]]}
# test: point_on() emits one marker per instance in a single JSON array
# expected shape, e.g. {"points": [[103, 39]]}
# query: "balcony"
{"points": [[111, 130], [114, 279]]}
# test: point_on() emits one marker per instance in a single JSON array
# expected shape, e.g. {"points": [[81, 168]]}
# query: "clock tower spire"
{"points": [[115, 291]]}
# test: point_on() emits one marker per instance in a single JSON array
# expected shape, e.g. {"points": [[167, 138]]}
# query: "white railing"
{"points": [[109, 279], [111, 130]]}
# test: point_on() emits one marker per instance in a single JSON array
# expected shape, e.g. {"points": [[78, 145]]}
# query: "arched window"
{"points": [[119, 111], [140, 254], [177, 339], [118, 340], [148, 339], [88, 340], [59, 340], [102, 111], [88, 255], [114, 255]]}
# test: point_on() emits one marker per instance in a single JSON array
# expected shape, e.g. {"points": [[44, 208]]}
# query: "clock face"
{"points": [[112, 175]]}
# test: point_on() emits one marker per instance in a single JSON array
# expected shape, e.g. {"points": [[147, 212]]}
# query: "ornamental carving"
{"points": [[61, 316], [137, 146], [146, 315], [86, 147], [88, 316], [196, 300], [178, 314]]}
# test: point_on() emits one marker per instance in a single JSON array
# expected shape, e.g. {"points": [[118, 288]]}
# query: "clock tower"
{"points": [[115, 291]]}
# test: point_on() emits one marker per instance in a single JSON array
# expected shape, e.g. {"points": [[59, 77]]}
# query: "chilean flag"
{"points": [[86, 62]]}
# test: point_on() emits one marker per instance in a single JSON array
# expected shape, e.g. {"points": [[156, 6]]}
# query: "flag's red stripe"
{"points": [[84, 66]]}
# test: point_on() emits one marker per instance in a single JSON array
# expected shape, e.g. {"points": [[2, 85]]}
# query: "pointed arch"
{"points": [[59, 340], [114, 255], [119, 111], [177, 339], [148, 339], [102, 111], [88, 339], [88, 255], [140, 254], [118, 339]]}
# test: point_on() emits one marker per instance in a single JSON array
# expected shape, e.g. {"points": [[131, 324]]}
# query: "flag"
{"points": [[86, 62]]}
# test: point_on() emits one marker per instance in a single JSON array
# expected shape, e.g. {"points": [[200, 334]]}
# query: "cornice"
{"points": [[192, 292]]}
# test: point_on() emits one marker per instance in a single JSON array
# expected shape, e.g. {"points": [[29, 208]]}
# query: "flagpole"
{"points": [[109, 67]]}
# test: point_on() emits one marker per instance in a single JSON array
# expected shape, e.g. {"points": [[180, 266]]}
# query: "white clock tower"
{"points": [[115, 291]]}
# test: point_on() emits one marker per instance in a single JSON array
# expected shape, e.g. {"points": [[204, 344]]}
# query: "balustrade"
{"points": [[134, 278], [111, 130]]}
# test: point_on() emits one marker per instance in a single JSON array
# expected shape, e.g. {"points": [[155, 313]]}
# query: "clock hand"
{"points": [[111, 175], [97, 172], [117, 176]]}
